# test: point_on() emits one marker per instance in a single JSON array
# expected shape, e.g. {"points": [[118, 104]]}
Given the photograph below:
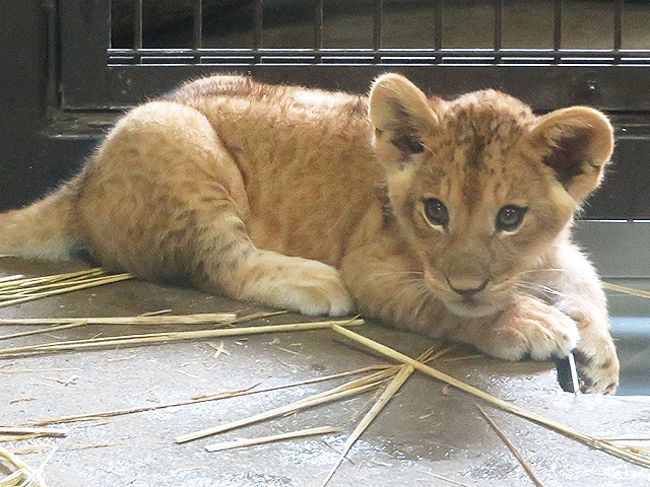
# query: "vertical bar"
{"points": [[137, 25], [376, 37], [437, 41], [557, 36], [258, 26], [618, 29], [498, 29], [318, 29], [53, 74], [197, 30]]}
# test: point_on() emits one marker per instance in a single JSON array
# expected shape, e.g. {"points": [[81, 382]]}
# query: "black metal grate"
{"points": [[198, 39]]}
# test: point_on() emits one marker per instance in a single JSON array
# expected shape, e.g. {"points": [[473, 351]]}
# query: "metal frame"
{"points": [[94, 75]]}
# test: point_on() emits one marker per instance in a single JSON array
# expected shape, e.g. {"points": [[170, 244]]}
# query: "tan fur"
{"points": [[316, 201]]}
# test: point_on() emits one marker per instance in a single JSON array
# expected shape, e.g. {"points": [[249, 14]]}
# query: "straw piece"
{"points": [[173, 336], [500, 403], [189, 319], [642, 293], [393, 386], [32, 281], [352, 388], [83, 285], [261, 314], [49, 329], [11, 479], [12, 430], [19, 291], [15, 277], [522, 461], [400, 377], [31, 477], [199, 399], [227, 445], [7, 439]]}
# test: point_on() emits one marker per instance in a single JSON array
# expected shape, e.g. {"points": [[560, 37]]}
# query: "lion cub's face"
{"points": [[480, 186]]}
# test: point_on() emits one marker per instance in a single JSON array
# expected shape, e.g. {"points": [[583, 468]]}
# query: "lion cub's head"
{"points": [[481, 186]]}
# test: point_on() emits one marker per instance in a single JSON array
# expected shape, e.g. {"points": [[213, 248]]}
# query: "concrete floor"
{"points": [[423, 433]]}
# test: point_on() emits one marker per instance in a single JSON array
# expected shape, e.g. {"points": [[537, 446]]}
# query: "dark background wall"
{"points": [[31, 161]]}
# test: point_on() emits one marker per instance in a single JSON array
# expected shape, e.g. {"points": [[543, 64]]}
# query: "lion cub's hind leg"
{"points": [[165, 199]]}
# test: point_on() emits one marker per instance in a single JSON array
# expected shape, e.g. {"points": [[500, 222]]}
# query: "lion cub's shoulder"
{"points": [[228, 88]]}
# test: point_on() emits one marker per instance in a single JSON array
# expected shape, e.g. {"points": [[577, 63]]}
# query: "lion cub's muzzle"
{"points": [[467, 288], [468, 296]]}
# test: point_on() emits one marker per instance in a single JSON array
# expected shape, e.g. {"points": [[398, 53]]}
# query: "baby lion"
{"points": [[451, 218]]}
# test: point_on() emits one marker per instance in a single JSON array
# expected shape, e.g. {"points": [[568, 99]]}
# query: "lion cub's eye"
{"points": [[510, 217], [436, 212]]}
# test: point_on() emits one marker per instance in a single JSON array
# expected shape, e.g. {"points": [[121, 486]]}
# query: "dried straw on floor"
{"points": [[200, 319], [522, 461], [241, 442], [148, 338], [568, 431], [187, 319], [399, 378], [350, 389], [21, 290], [19, 430], [24, 475], [205, 398]]}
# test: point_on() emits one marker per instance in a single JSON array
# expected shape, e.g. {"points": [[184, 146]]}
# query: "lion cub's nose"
{"points": [[467, 288]]}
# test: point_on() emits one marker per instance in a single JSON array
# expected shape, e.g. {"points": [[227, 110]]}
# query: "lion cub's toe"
{"points": [[537, 330]]}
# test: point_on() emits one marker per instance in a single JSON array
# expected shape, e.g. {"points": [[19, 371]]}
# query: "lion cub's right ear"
{"points": [[401, 116]]}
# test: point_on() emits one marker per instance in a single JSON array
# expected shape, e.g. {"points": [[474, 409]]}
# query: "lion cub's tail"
{"points": [[43, 230]]}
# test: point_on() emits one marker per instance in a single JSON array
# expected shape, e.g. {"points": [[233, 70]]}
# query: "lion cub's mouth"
{"points": [[485, 302], [471, 307]]}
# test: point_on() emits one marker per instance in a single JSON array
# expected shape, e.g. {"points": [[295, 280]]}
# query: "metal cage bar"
{"points": [[557, 24], [137, 28], [197, 25], [618, 28], [318, 29], [376, 54], [498, 28], [376, 32], [437, 40], [258, 27]]}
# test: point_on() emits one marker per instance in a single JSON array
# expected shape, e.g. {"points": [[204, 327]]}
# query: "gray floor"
{"points": [[426, 431]]}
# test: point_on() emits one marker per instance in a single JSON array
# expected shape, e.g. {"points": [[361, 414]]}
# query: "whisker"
{"points": [[397, 273], [535, 271], [541, 288]]}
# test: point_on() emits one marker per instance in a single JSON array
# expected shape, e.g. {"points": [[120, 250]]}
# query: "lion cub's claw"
{"points": [[537, 330], [598, 367]]}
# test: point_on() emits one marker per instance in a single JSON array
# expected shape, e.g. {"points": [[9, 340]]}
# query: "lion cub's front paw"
{"points": [[536, 329], [316, 289], [307, 286], [598, 365]]}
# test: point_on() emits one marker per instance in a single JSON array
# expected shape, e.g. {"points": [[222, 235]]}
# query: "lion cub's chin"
{"points": [[470, 308]]}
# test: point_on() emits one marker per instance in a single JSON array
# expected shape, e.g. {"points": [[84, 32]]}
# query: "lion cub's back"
{"points": [[305, 154]]}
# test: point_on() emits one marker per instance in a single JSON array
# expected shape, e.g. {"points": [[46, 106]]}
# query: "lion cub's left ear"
{"points": [[401, 116], [579, 142]]}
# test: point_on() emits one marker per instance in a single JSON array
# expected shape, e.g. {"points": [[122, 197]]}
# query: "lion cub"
{"points": [[451, 218]]}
